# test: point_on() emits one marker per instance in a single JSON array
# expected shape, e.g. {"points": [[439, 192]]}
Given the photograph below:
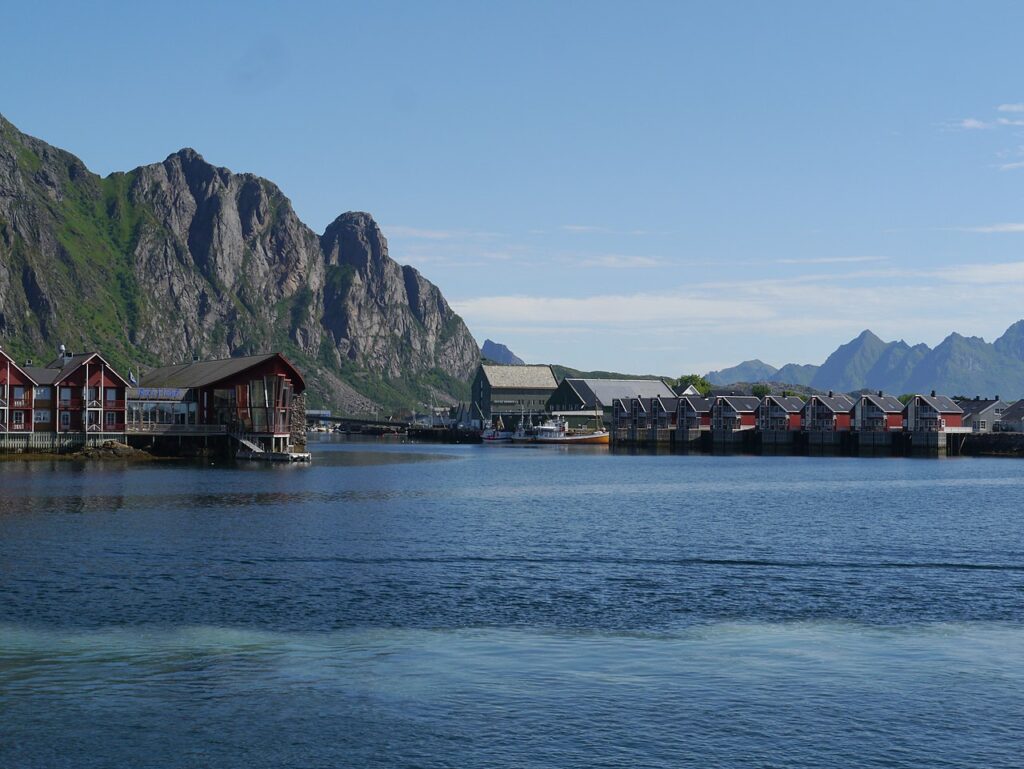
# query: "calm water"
{"points": [[426, 606]]}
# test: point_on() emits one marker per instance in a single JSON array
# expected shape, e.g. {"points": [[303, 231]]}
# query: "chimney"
{"points": [[830, 394], [879, 393], [997, 397], [933, 393]]}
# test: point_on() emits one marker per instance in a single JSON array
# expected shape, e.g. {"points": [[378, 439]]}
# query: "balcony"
{"points": [[19, 428], [70, 404], [21, 403], [154, 428]]}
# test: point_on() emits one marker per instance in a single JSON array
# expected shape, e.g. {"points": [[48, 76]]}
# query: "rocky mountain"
{"points": [[958, 366], [184, 258], [499, 353], [747, 371], [796, 373]]}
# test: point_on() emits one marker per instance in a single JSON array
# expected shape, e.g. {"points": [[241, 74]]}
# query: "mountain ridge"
{"points": [[182, 257], [959, 365]]}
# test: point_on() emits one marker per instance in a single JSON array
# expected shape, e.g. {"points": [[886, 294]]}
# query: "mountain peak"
{"points": [[499, 353]]}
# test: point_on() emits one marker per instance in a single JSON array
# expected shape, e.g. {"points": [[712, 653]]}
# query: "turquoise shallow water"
{"points": [[480, 606]]}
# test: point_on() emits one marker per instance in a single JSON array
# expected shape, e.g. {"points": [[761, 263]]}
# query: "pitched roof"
{"points": [[1015, 413], [742, 403], [5, 358], [203, 373], [788, 403], [974, 407], [596, 393], [887, 403], [697, 404], [837, 404], [61, 368], [526, 377], [941, 403]]}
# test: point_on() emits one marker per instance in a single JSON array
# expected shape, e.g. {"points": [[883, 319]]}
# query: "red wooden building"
{"points": [[250, 397], [877, 413], [733, 413], [779, 413], [17, 391], [828, 413], [79, 394], [932, 414]]}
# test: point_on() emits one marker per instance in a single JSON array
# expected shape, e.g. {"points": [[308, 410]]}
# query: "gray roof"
{"points": [[60, 368], [788, 403], [206, 372], [941, 403], [520, 377], [697, 404], [974, 407], [887, 403], [1015, 413], [837, 404], [742, 403], [597, 393]]}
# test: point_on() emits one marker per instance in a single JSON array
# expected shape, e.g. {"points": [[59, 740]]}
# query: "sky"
{"points": [[646, 187]]}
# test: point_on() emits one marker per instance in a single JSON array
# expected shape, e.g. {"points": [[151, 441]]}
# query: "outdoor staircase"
{"points": [[247, 444]]}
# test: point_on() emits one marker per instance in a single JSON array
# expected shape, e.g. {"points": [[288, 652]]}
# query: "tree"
{"points": [[702, 385], [760, 390]]}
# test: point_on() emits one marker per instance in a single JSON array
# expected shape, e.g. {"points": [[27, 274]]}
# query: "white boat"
{"points": [[494, 435], [558, 431]]}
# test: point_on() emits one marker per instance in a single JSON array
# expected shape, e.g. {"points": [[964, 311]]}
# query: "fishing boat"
{"points": [[497, 433], [558, 431]]}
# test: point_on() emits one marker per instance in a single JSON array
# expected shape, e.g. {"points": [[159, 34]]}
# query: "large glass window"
{"points": [[42, 415], [43, 393]]}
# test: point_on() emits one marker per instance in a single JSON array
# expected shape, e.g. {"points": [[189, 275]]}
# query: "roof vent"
{"points": [[28, 362]]}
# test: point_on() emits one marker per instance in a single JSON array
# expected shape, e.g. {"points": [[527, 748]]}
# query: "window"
{"points": [[42, 415], [18, 418], [18, 393], [92, 393], [109, 417], [42, 394], [110, 394], [982, 423], [65, 420], [65, 394]]}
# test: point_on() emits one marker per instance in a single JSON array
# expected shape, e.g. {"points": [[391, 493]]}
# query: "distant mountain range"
{"points": [[499, 353], [960, 365]]}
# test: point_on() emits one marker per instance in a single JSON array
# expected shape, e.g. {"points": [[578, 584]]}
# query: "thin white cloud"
{"points": [[419, 233], [1018, 107], [582, 228], [972, 124], [620, 261], [1012, 166], [833, 260], [996, 228], [1008, 121]]}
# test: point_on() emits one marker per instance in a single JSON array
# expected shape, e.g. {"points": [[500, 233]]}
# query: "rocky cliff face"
{"points": [[181, 258]]}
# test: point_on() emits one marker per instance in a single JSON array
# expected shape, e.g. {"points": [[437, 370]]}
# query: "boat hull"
{"points": [[594, 439]]}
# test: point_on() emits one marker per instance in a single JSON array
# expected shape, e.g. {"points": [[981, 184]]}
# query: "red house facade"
{"points": [[779, 413], [828, 413], [17, 397], [79, 394]]}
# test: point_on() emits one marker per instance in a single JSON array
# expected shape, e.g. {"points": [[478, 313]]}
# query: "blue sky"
{"points": [[645, 187]]}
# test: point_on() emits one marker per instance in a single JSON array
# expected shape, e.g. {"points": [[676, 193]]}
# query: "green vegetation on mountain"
{"points": [[183, 258]]}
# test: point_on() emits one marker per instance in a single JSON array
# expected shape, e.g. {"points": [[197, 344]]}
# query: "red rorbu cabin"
{"points": [[79, 394], [17, 391], [828, 413]]}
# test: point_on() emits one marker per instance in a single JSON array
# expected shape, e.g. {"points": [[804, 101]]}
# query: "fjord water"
{"points": [[429, 606]]}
